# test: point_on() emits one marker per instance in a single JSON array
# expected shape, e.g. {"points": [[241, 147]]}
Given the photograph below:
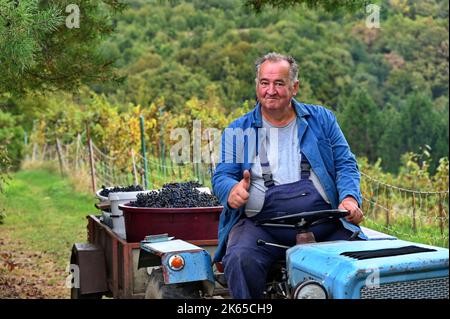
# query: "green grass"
{"points": [[43, 212], [401, 227]]}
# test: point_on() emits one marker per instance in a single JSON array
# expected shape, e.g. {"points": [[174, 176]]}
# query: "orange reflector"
{"points": [[176, 262]]}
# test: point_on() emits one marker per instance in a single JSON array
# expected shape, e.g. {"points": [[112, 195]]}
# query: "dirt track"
{"points": [[28, 274]]}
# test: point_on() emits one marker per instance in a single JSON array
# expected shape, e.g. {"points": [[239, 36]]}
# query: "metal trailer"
{"points": [[107, 265]]}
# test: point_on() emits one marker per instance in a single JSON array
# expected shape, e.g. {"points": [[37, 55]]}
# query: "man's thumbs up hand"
{"points": [[239, 193], [246, 180]]}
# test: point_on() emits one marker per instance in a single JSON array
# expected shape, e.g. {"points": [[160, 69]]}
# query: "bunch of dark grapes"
{"points": [[117, 189], [184, 185], [176, 195]]}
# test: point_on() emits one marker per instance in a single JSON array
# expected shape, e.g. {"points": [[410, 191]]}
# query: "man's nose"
{"points": [[271, 89]]}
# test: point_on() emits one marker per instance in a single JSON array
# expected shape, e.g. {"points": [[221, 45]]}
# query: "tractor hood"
{"points": [[344, 267]]}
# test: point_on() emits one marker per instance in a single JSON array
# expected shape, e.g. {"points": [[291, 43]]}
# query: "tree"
{"points": [[38, 51], [11, 135], [417, 123], [421, 125], [206, 49], [4, 166], [328, 5], [360, 122]]}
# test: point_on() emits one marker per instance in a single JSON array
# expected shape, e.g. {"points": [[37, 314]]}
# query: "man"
{"points": [[301, 162]]}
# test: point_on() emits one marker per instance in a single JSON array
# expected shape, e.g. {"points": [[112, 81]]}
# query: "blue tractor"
{"points": [[382, 267]]}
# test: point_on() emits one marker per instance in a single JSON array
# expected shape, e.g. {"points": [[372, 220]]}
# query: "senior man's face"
{"points": [[274, 90]]}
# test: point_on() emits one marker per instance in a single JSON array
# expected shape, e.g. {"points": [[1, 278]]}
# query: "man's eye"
{"points": [[264, 83], [279, 84]]}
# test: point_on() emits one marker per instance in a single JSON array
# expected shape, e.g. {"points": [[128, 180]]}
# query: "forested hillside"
{"points": [[185, 60]]}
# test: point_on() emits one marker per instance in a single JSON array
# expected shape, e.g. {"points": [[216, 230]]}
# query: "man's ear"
{"points": [[295, 87]]}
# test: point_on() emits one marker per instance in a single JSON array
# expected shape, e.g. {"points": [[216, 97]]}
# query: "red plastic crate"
{"points": [[197, 223]]}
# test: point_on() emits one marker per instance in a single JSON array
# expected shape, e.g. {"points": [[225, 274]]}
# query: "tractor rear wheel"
{"points": [[157, 289]]}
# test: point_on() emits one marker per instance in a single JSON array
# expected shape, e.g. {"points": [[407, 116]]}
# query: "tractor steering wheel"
{"points": [[304, 220]]}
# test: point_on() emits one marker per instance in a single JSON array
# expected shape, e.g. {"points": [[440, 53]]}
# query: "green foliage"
{"points": [[417, 49], [360, 118], [23, 25], [11, 136], [332, 5], [38, 51], [4, 177], [441, 178], [412, 205], [387, 86], [414, 171], [4, 166], [415, 124]]}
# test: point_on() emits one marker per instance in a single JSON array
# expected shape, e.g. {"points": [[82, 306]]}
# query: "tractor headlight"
{"points": [[310, 290]]}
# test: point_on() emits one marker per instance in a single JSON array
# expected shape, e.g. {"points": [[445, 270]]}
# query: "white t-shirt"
{"points": [[283, 153]]}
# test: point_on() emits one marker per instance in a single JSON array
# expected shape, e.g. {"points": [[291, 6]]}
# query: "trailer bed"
{"points": [[124, 280]]}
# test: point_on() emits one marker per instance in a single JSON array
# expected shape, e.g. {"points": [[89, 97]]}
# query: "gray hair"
{"points": [[275, 57]]}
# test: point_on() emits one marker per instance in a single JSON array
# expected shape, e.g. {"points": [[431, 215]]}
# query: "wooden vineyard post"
{"points": [[91, 159], [441, 215], [77, 151], [388, 208], [414, 212], [136, 181], [62, 166], [211, 154]]}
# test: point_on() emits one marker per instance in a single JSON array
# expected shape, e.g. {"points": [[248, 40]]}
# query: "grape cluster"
{"points": [[176, 195], [184, 185], [118, 189]]}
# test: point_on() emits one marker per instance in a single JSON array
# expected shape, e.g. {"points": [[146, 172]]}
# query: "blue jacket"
{"points": [[321, 141]]}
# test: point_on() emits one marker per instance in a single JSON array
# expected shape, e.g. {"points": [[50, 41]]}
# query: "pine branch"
{"points": [[36, 51]]}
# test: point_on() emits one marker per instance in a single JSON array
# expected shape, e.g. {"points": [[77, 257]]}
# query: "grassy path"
{"points": [[44, 217]]}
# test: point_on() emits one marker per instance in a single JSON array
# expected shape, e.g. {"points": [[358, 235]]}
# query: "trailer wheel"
{"points": [[157, 289]]}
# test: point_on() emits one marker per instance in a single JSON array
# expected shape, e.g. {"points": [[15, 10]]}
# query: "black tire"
{"points": [[75, 294], [157, 289]]}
